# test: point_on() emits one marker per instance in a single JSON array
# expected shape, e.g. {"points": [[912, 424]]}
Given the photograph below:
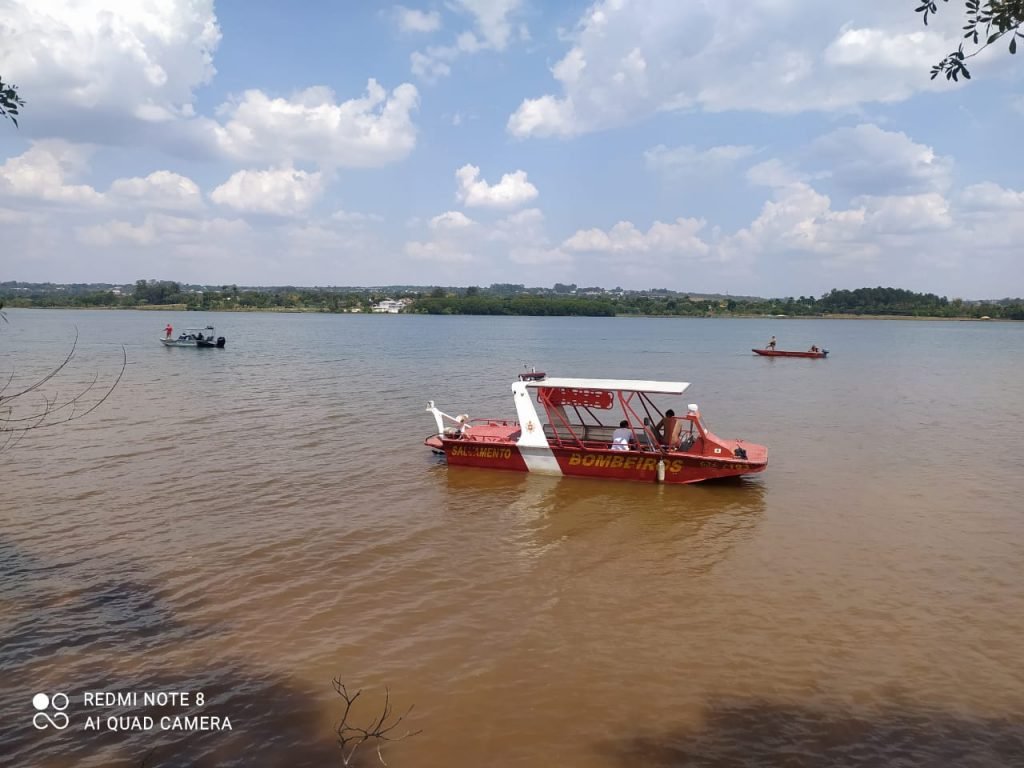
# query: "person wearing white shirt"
{"points": [[622, 437]]}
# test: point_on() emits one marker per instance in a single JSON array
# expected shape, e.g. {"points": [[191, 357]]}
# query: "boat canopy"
{"points": [[618, 385]]}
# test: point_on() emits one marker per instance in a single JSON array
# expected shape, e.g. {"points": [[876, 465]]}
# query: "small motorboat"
{"points": [[785, 353], [531, 374], [195, 337], [596, 428]]}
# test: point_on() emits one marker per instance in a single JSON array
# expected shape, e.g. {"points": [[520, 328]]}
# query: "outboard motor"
{"points": [[221, 341]]}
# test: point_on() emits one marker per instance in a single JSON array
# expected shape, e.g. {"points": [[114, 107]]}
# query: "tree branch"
{"points": [[351, 737], [17, 416], [998, 18]]}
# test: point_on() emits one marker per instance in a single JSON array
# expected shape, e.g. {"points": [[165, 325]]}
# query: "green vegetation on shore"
{"points": [[503, 299]]}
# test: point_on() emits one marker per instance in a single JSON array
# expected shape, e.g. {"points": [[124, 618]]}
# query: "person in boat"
{"points": [[200, 336], [168, 330], [670, 428], [814, 349], [771, 344], [622, 437]]}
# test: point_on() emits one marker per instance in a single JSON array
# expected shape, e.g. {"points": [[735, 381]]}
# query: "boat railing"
{"points": [[474, 430], [592, 436]]}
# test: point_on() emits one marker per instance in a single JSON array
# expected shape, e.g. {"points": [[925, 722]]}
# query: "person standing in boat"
{"points": [[168, 330], [771, 344], [670, 428]]}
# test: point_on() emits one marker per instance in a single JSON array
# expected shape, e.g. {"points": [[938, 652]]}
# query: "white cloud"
{"points": [[161, 189], [690, 161], [11, 216], [414, 20], [664, 253], [992, 197], [450, 220], [493, 30], [281, 191], [800, 219], [431, 66], [443, 252], [520, 224], [452, 238], [158, 228], [139, 60], [546, 116], [367, 132], [869, 160], [625, 61], [492, 19], [516, 239], [902, 214], [992, 218], [774, 173], [356, 218], [525, 236], [680, 237], [43, 171], [512, 190]]}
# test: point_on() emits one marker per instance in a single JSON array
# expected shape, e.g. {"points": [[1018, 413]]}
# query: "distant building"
{"points": [[391, 306]]}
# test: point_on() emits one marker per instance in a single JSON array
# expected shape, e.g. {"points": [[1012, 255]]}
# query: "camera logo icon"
{"points": [[44, 704]]}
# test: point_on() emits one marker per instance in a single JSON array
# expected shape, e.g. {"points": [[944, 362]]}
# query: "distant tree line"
{"points": [[509, 299], [479, 304], [170, 293]]}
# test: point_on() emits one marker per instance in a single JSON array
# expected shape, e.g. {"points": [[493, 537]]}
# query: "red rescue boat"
{"points": [[577, 434], [784, 353]]}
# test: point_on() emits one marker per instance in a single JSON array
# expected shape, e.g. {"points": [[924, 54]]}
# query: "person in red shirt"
{"points": [[169, 330]]}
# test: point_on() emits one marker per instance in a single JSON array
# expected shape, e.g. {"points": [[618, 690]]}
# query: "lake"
{"points": [[251, 522]]}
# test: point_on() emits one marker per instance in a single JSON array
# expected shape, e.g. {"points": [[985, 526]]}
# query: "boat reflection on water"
{"points": [[699, 523]]}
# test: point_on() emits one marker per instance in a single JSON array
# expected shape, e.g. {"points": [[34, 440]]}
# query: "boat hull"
{"points": [[785, 353], [642, 466], [205, 343]]}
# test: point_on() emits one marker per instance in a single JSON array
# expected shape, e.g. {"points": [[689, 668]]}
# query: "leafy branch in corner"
{"points": [[990, 21], [31, 407], [10, 101], [351, 737]]}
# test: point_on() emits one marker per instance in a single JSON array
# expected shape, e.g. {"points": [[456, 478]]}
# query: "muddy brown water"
{"points": [[252, 522]]}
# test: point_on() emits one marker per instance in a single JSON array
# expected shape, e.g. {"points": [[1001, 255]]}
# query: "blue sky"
{"points": [[770, 147]]}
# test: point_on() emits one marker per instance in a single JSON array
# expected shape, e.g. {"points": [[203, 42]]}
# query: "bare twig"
{"points": [[351, 737], [54, 410]]}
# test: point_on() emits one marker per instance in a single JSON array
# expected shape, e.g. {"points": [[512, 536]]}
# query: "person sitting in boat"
{"points": [[771, 344], [814, 348], [622, 437], [670, 428], [200, 336]]}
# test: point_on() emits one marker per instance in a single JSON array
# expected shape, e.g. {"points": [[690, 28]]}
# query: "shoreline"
{"points": [[724, 316]]}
